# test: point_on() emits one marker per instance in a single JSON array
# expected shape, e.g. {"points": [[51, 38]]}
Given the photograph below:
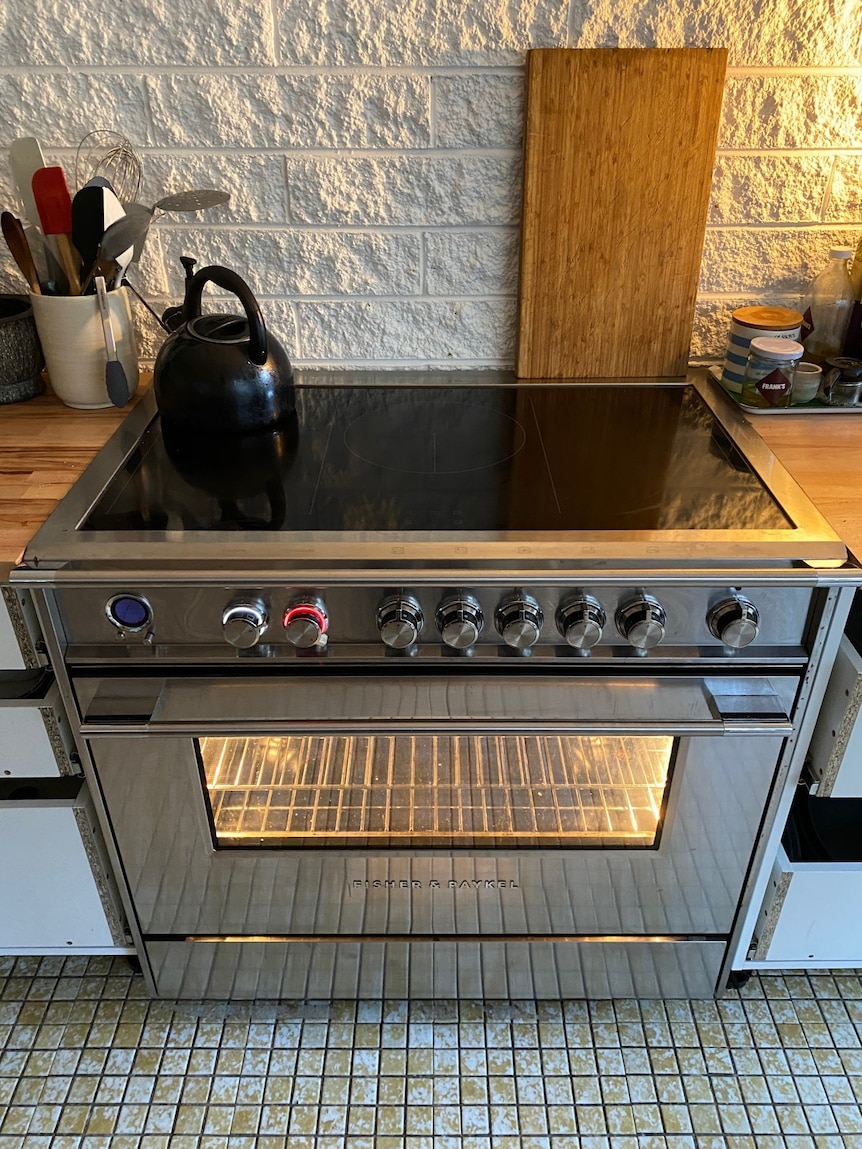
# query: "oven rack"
{"points": [[437, 791]]}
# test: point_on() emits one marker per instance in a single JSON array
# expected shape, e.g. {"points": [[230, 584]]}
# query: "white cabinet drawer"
{"points": [[35, 738], [811, 913], [55, 891], [836, 745]]}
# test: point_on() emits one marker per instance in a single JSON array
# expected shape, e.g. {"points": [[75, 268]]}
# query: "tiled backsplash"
{"points": [[372, 149]]}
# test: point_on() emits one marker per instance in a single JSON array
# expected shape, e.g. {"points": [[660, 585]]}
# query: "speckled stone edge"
{"points": [[18, 392], [765, 940], [55, 738], [19, 626], [842, 738], [100, 877]]}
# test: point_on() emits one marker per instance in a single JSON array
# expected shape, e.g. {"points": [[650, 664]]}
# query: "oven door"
{"points": [[435, 806]]}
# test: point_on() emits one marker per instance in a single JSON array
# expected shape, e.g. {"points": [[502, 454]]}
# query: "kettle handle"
{"points": [[230, 281]]}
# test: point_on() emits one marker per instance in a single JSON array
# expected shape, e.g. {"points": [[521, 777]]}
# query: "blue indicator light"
{"points": [[130, 612]]}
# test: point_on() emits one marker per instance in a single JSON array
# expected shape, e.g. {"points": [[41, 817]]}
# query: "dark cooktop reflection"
{"points": [[515, 459]]}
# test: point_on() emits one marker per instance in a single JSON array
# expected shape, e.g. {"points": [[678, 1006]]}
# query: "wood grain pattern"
{"points": [[824, 455], [619, 155], [44, 447]]}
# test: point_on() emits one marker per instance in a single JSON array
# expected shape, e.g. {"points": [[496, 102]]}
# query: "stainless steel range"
{"points": [[451, 686]]}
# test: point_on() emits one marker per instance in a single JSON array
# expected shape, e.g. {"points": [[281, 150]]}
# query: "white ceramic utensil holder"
{"points": [[72, 338]]}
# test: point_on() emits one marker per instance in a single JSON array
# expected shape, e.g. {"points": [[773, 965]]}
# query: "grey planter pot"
{"points": [[21, 358]]}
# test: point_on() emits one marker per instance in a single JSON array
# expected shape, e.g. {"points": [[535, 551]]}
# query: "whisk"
{"points": [[111, 155]]}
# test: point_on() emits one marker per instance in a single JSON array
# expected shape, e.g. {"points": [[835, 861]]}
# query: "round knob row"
{"points": [[305, 623], [581, 622], [641, 621]]}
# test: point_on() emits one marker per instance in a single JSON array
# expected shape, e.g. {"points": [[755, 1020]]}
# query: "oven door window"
{"points": [[436, 791]]}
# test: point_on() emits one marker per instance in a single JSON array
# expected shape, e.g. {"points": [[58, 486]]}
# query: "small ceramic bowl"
{"points": [[21, 358]]}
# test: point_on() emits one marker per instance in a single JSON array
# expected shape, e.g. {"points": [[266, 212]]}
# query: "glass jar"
{"points": [[769, 372]]}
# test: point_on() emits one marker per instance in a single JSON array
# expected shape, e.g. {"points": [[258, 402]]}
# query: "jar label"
{"points": [[774, 387], [807, 325]]}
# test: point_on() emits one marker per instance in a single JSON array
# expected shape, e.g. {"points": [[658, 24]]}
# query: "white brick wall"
{"points": [[372, 149]]}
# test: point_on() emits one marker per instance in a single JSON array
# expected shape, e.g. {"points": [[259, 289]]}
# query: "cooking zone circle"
{"points": [[433, 438]]}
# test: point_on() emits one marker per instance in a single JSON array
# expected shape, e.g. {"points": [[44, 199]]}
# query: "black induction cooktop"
{"points": [[449, 459]]}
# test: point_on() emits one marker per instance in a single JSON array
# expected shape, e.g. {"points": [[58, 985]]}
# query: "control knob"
{"points": [[519, 621], [581, 622], [305, 623], [243, 623], [734, 621], [642, 621], [400, 621], [460, 621]]}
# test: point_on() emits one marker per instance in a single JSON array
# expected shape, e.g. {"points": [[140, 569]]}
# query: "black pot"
{"points": [[223, 373]]}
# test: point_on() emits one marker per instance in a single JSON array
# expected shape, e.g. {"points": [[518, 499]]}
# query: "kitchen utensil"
{"points": [[116, 383], [99, 182], [117, 244], [126, 231], [111, 155], [619, 158], [197, 199], [126, 282], [223, 373], [16, 241], [88, 223], [21, 358], [54, 205], [25, 157], [113, 212]]}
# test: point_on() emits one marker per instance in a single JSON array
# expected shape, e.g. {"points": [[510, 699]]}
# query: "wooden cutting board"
{"points": [[619, 156]]}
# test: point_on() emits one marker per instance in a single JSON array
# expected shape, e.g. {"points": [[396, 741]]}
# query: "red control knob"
{"points": [[305, 623]]}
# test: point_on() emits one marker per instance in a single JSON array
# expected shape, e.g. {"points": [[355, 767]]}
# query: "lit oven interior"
{"points": [[437, 791]]}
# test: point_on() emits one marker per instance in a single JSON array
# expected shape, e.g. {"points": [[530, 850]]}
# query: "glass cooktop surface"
{"points": [[450, 459]]}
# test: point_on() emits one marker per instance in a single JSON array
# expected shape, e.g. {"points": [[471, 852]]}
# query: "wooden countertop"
{"points": [[823, 453], [44, 446]]}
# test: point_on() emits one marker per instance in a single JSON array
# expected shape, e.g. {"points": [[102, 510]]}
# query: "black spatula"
{"points": [[88, 224]]}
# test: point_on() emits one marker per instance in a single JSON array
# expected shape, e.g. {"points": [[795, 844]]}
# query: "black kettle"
{"points": [[222, 373]]}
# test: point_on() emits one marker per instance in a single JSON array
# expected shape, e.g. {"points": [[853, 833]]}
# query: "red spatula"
{"points": [[54, 205]]}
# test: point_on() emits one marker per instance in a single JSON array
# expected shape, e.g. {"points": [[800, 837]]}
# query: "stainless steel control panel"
{"points": [[430, 621]]}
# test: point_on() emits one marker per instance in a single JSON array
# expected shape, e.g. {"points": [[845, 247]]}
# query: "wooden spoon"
{"points": [[16, 241]]}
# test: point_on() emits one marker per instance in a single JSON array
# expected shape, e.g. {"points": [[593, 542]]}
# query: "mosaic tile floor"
{"points": [[87, 1061]]}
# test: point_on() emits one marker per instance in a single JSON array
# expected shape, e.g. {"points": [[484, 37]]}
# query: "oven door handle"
{"points": [[481, 704]]}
